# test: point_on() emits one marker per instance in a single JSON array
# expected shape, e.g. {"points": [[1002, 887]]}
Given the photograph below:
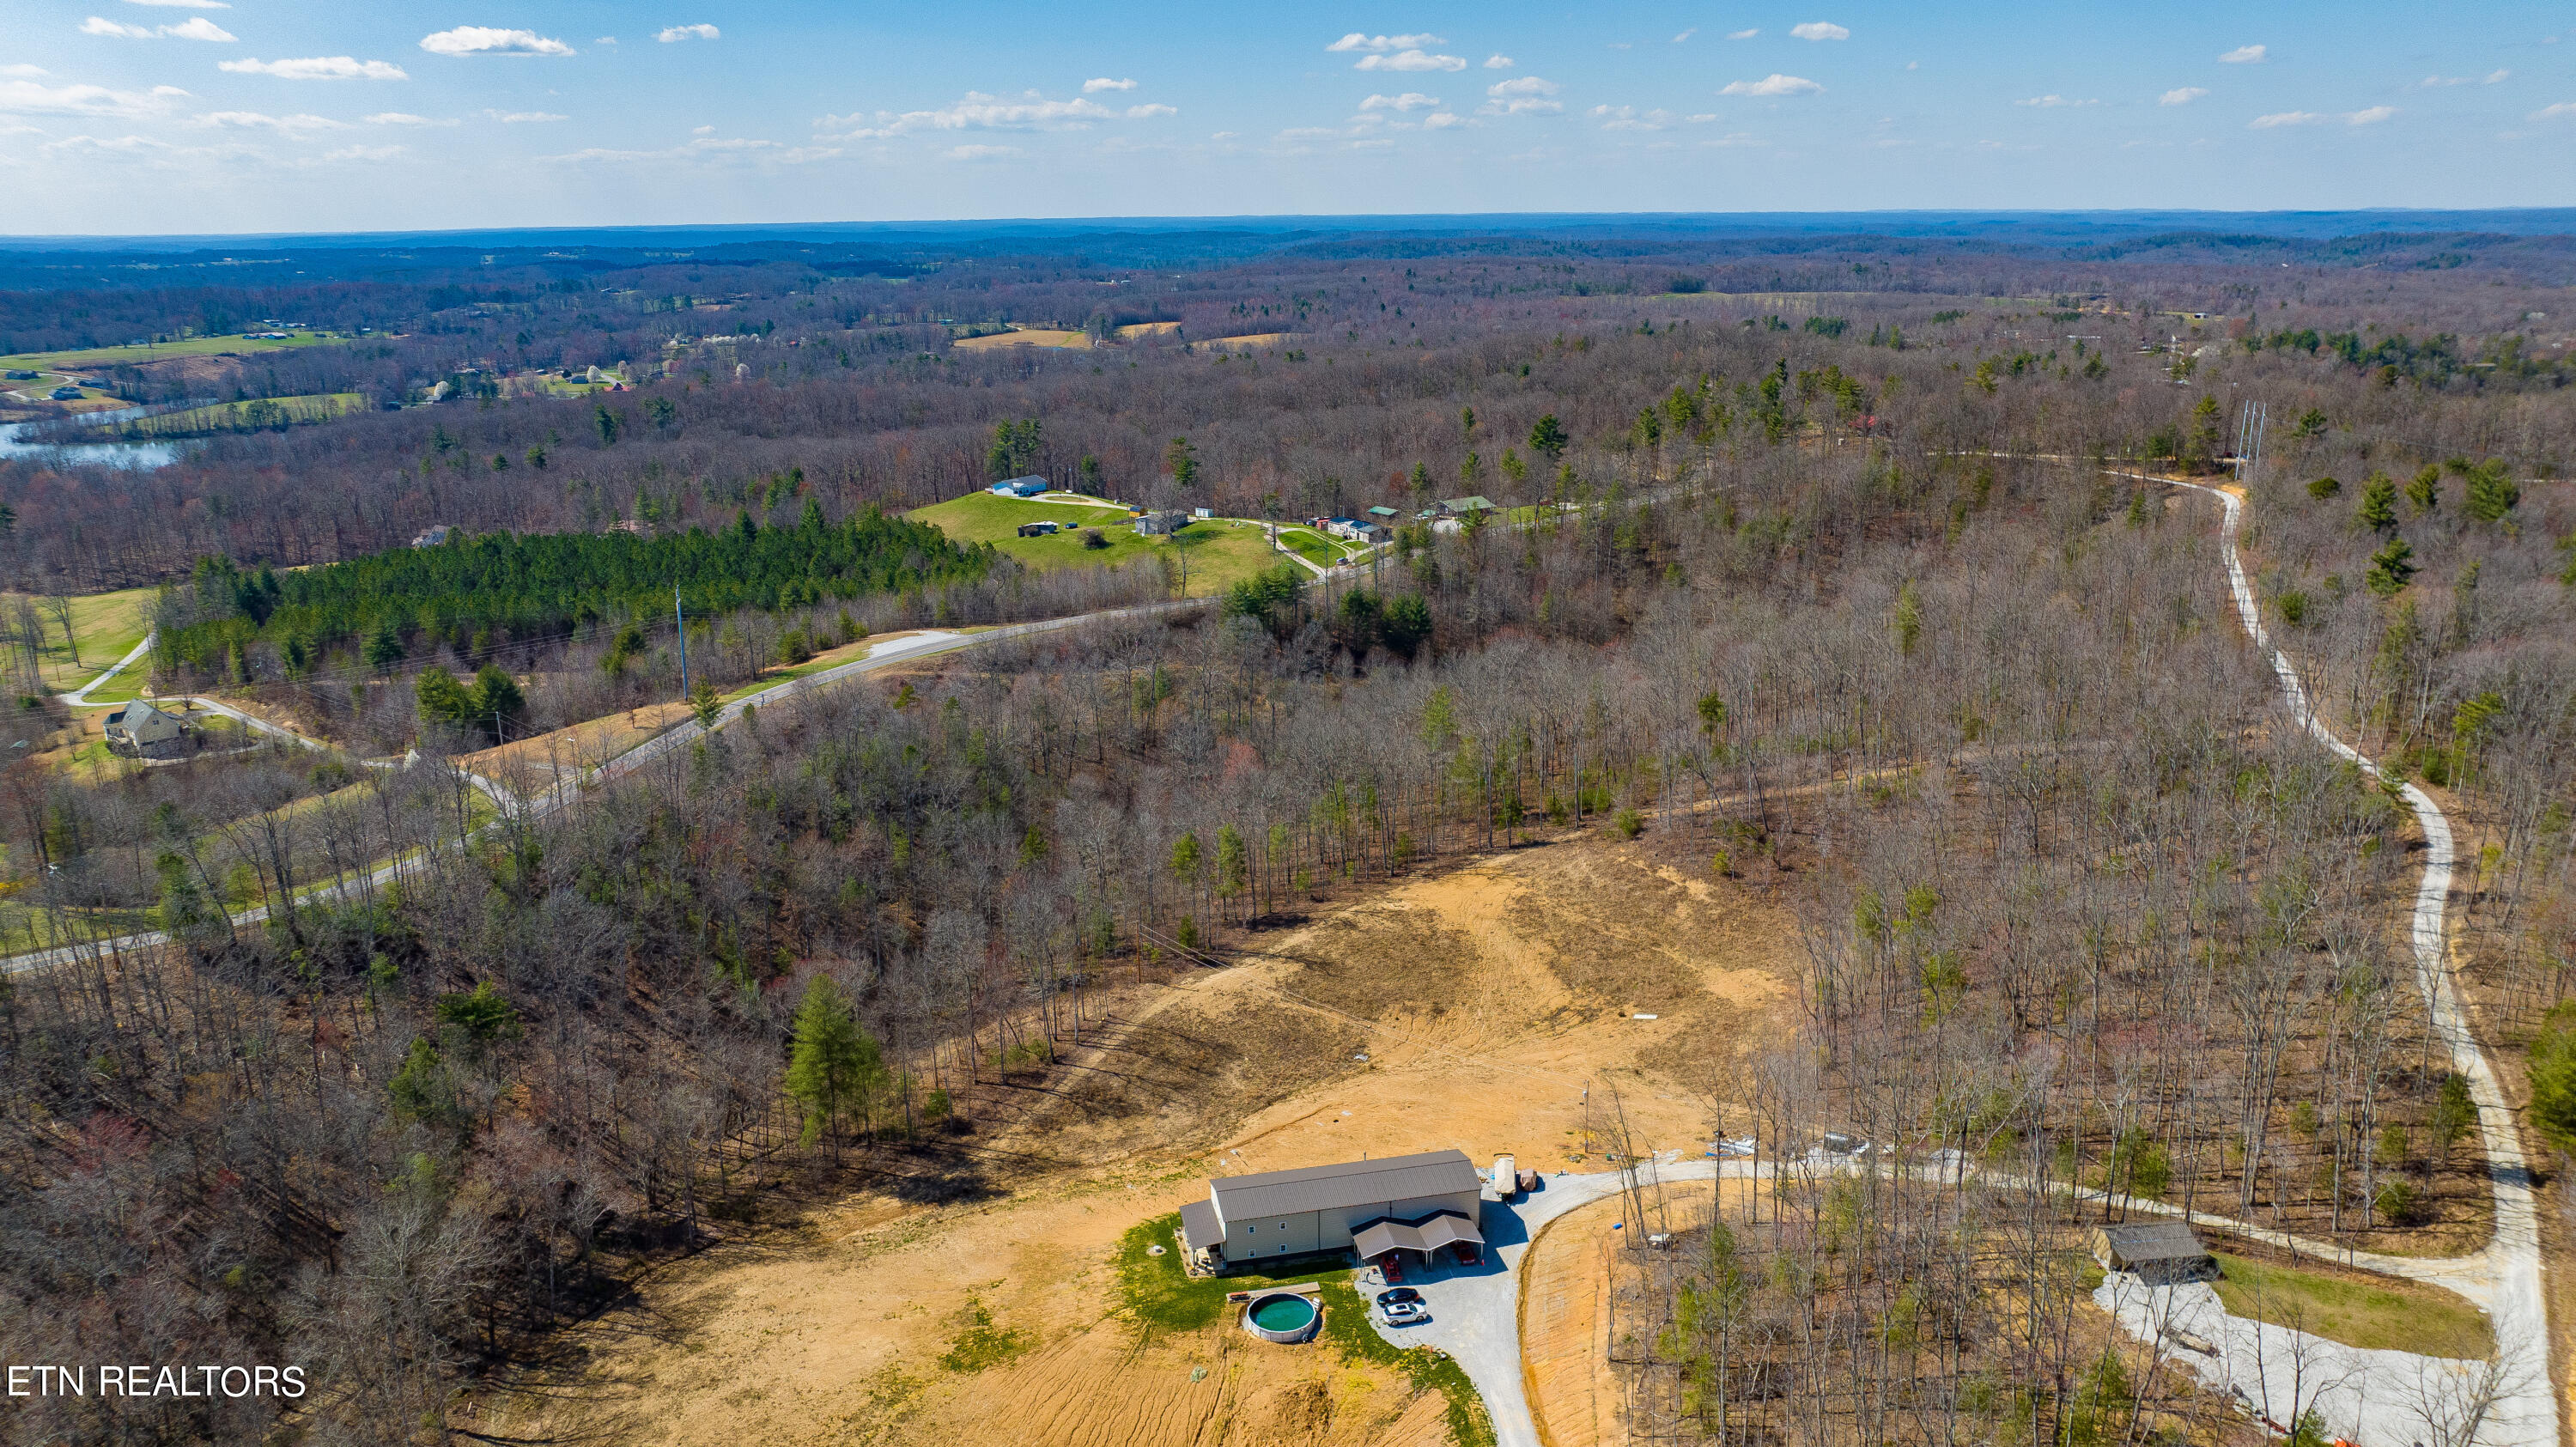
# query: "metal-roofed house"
{"points": [[1029, 486], [1417, 1203], [2158, 1253], [138, 730]]}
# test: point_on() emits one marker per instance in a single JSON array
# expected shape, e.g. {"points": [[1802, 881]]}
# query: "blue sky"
{"points": [[156, 116]]}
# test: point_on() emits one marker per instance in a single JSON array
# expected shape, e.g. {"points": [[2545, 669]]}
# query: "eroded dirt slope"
{"points": [[1487, 1000]]}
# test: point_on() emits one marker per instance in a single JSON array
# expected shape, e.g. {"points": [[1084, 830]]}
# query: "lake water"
{"points": [[94, 454]]}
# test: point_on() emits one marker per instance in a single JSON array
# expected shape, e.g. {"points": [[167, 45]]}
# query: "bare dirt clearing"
{"points": [[1485, 999]]}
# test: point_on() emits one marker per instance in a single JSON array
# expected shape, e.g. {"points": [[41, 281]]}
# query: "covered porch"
{"points": [[1378, 1241]]}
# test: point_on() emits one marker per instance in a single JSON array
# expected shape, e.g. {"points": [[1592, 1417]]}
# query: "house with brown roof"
{"points": [[1418, 1203]]}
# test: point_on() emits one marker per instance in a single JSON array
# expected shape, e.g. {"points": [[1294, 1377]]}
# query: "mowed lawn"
{"points": [[107, 626], [2378, 1313], [80, 359], [305, 407], [1218, 553]]}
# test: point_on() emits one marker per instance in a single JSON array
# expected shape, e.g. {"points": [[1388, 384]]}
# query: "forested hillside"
{"points": [[1876, 603]]}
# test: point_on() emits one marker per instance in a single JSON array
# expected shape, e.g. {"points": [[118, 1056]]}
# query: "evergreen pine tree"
{"points": [[2492, 492], [2379, 502], [385, 649], [835, 1068], [2426, 490], [2391, 568]]}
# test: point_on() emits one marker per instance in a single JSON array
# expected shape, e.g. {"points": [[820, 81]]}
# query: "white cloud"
{"points": [[702, 130], [979, 153], [1101, 83], [319, 67], [1629, 118], [2243, 55], [183, 4], [603, 40], [513, 118], [1820, 30], [711, 150], [677, 33], [2564, 110], [1149, 112], [1499, 62], [23, 71], [1522, 95], [401, 118], [26, 97], [363, 153], [254, 121], [2181, 96], [2496, 77], [1685, 35], [2053, 102], [1443, 120], [486, 40], [1412, 100], [2371, 116], [195, 27], [1772, 84], [1381, 44], [976, 112], [1410, 60], [1742, 34]]}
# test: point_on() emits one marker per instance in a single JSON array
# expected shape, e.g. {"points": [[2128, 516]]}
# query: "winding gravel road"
{"points": [[2505, 1277]]}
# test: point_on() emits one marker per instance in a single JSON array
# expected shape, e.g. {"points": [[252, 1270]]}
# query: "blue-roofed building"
{"points": [[1020, 487]]}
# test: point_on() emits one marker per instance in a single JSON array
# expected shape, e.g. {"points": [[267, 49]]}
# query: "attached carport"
{"points": [[1424, 1237]]}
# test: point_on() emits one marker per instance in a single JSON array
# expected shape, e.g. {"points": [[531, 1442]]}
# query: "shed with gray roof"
{"points": [[2159, 1253]]}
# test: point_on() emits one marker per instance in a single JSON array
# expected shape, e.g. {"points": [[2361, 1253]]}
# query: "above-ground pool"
{"points": [[1281, 1316]]}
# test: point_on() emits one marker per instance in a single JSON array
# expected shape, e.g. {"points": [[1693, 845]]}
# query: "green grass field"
{"points": [[227, 416], [2391, 1315], [1219, 554], [107, 625], [1313, 546], [86, 358]]}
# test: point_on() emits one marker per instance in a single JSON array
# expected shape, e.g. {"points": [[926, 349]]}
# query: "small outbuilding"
{"points": [[1040, 530], [2158, 1253], [1161, 524]]}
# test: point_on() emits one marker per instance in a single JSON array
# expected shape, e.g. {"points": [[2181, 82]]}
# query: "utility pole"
{"points": [[682, 614], [2249, 438]]}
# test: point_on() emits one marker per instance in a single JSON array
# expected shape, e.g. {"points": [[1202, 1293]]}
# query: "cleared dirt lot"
{"points": [[1485, 998]]}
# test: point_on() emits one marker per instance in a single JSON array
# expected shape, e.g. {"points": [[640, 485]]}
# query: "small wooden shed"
{"points": [[2159, 1253]]}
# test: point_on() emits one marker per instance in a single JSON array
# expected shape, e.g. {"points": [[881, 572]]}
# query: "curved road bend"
{"points": [[2505, 1277]]}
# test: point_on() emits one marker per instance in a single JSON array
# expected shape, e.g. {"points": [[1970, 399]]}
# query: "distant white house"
{"points": [[1157, 524], [1019, 487], [431, 537]]}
